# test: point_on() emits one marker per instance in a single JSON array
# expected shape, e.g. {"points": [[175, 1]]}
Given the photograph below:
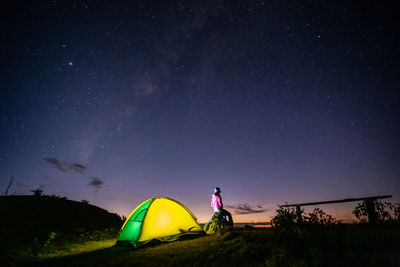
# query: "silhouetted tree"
{"points": [[9, 185], [376, 212], [37, 193], [396, 211], [288, 216], [285, 216], [317, 216]]}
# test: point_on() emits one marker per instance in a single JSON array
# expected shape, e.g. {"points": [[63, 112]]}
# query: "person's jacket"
{"points": [[216, 201]]}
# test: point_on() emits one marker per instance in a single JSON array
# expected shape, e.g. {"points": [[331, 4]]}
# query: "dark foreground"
{"points": [[337, 245]]}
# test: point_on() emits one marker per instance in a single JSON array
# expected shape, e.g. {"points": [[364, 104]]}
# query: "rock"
{"points": [[216, 224]]}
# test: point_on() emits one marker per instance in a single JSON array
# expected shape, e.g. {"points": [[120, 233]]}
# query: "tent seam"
{"points": [[144, 217]]}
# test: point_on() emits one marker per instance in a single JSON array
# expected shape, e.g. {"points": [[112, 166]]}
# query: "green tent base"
{"points": [[157, 241]]}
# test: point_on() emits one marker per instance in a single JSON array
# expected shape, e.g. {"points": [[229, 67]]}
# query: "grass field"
{"points": [[58, 232], [339, 245]]}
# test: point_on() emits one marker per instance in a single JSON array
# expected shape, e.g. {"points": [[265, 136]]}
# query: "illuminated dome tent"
{"points": [[159, 218]]}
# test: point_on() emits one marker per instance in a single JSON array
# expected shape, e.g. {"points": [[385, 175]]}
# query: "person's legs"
{"points": [[227, 213]]}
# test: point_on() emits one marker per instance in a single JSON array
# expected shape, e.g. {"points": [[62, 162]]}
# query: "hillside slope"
{"points": [[37, 216]]}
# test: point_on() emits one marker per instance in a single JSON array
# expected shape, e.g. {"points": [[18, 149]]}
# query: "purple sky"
{"points": [[271, 101]]}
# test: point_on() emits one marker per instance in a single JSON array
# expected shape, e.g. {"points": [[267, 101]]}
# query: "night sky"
{"points": [[116, 102]]}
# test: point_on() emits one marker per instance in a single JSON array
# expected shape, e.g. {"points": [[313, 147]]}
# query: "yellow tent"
{"points": [[159, 218]]}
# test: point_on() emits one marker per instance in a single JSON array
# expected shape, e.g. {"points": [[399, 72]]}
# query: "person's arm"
{"points": [[220, 202]]}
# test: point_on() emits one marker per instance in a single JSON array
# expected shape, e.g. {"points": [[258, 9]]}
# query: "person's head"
{"points": [[217, 190]]}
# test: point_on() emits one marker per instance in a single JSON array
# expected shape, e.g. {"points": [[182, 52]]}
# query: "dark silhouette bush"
{"points": [[37, 192], [285, 217], [317, 216], [384, 212]]}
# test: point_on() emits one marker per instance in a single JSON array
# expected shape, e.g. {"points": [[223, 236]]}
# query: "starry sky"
{"points": [[116, 102]]}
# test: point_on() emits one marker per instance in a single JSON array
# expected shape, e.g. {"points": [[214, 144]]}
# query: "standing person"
{"points": [[216, 204]]}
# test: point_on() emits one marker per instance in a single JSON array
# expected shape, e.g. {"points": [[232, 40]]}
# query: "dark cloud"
{"points": [[246, 209], [96, 183], [56, 164], [77, 167], [64, 166]]}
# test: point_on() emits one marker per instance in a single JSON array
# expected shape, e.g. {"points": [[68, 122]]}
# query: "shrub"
{"points": [[319, 217], [285, 216], [383, 212]]}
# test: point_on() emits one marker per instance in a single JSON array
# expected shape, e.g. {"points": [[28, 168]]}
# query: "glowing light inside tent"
{"points": [[166, 217], [163, 219]]}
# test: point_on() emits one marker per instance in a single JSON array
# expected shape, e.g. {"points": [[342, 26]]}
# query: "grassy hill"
{"points": [[44, 214], [28, 222]]}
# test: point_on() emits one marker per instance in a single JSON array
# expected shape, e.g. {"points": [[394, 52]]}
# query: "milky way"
{"points": [[272, 101]]}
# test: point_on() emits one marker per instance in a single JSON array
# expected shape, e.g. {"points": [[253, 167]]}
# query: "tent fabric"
{"points": [[158, 218], [133, 223]]}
